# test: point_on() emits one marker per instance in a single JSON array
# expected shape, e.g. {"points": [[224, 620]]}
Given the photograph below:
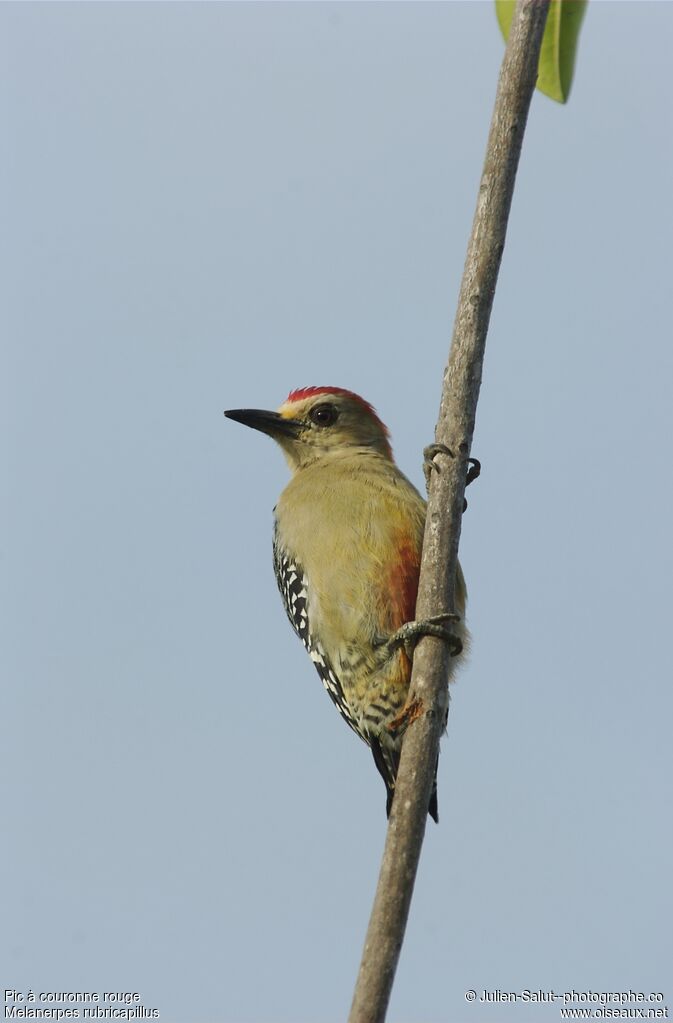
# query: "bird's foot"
{"points": [[474, 470], [429, 463], [409, 634]]}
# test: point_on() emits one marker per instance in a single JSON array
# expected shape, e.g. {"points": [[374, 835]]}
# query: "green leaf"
{"points": [[559, 43]]}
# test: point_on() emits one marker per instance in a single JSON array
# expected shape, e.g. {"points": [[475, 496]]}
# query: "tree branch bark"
{"points": [[455, 427]]}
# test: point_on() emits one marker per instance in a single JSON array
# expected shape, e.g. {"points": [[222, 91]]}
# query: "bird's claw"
{"points": [[429, 454], [409, 634], [429, 463], [474, 470]]}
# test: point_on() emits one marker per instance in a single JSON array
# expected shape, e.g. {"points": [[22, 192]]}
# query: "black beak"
{"points": [[267, 422]]}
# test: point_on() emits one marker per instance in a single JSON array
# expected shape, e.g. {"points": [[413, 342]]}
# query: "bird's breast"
{"points": [[358, 538]]}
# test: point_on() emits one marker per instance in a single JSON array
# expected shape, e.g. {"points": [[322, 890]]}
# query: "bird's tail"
{"points": [[387, 762]]}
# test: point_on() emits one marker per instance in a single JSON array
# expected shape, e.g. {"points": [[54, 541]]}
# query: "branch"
{"points": [[462, 380]]}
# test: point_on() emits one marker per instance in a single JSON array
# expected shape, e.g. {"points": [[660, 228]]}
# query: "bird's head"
{"points": [[319, 422]]}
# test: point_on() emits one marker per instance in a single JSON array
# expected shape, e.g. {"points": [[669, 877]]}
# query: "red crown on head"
{"points": [[301, 393]]}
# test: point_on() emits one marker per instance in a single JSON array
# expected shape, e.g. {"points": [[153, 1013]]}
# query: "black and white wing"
{"points": [[292, 584]]}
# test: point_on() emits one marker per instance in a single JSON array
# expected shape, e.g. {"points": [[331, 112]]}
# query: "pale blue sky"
{"points": [[202, 207]]}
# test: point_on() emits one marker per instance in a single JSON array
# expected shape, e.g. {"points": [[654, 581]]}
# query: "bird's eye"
{"points": [[323, 415]]}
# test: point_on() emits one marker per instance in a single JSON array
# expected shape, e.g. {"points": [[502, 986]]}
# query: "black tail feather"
{"points": [[433, 809], [387, 762]]}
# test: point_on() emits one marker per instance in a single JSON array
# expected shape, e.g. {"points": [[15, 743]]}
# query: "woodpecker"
{"points": [[348, 532]]}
